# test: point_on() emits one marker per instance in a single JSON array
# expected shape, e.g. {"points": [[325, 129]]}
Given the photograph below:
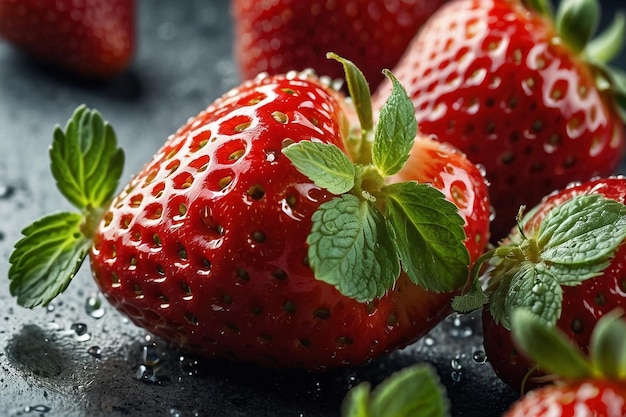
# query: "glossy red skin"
{"points": [[597, 398], [91, 38], [583, 305], [285, 35], [451, 172], [258, 301], [487, 77]]}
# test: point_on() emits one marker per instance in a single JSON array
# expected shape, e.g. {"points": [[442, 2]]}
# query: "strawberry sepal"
{"points": [[87, 165]]}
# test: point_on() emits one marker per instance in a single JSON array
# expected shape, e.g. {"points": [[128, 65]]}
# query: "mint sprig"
{"points": [[86, 164], [361, 238], [575, 241], [412, 392]]}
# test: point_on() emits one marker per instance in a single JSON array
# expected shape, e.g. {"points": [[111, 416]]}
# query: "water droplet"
{"points": [[456, 364], [147, 374], [537, 307], [150, 354], [39, 408], [50, 308], [459, 329], [93, 306], [190, 366], [539, 288], [80, 332], [95, 351], [429, 341], [173, 412], [456, 376], [479, 356], [6, 191]]}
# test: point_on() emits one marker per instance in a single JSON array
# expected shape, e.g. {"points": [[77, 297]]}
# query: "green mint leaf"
{"points": [[536, 289], [608, 345], [326, 165], [547, 346], [359, 91], [413, 391], [577, 21], [429, 236], [85, 160], [46, 259], [356, 403], [395, 132], [472, 300], [608, 44], [350, 247], [584, 230]]}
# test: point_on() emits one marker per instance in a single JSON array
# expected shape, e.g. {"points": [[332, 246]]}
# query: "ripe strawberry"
{"points": [[594, 386], [251, 234], [285, 35], [91, 38], [527, 98], [567, 263]]}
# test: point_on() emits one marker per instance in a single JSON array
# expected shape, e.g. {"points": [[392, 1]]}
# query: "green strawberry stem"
{"points": [[86, 164], [413, 391], [575, 242], [553, 352], [361, 239]]}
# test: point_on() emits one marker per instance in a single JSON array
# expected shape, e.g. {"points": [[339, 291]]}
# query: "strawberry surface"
{"points": [[285, 35], [583, 302], [91, 38], [590, 398], [496, 80]]}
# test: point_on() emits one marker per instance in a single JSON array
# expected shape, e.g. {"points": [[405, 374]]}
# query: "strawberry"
{"points": [[91, 38], [252, 235], [566, 262], [524, 95], [593, 386], [285, 35]]}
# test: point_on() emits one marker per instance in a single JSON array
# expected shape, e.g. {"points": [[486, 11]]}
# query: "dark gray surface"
{"points": [[69, 360]]}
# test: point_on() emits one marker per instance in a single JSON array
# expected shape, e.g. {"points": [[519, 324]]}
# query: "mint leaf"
{"points": [[359, 91], [85, 159], [326, 165], [536, 289], [583, 230], [411, 392], [356, 403], [414, 391], [46, 259], [350, 248], [429, 236], [608, 345], [395, 132], [548, 346]]}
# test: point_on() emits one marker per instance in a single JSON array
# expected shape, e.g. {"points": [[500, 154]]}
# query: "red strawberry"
{"points": [[594, 386], [90, 38], [285, 35], [568, 266], [251, 234], [526, 98]]}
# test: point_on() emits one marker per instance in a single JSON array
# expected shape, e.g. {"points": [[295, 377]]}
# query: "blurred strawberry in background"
{"points": [[91, 38], [283, 35]]}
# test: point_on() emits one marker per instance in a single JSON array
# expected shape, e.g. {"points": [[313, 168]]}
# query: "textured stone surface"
{"points": [[76, 358]]}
